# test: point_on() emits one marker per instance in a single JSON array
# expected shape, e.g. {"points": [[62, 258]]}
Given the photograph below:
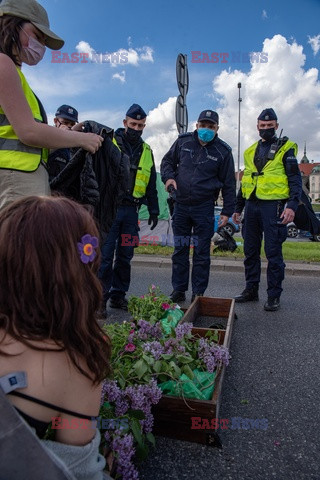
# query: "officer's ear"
{"points": [[125, 122], [276, 127]]}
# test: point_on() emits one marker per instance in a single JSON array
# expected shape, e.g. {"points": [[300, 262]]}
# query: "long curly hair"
{"points": [[46, 291], [10, 36]]}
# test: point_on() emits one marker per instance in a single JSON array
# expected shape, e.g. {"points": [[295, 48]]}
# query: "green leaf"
{"points": [[163, 377], [140, 368], [136, 430], [166, 356], [187, 371], [121, 382], [142, 452], [157, 366], [148, 359], [151, 439], [176, 369], [184, 359], [138, 414], [244, 402]]}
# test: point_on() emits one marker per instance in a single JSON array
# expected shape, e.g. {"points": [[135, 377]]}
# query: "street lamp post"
{"points": [[238, 170]]}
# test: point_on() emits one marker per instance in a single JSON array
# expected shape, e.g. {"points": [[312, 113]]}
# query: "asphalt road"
{"points": [[273, 375]]}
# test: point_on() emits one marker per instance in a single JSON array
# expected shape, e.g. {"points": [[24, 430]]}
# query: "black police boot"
{"points": [[119, 302], [272, 304], [248, 295], [177, 296], [194, 295]]}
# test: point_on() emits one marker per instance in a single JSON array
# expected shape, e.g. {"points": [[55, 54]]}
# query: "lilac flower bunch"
{"points": [[144, 355], [133, 403], [212, 354]]}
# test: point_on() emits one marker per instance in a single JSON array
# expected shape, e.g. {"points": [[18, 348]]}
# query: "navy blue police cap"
{"points": [[136, 112], [209, 116], [268, 114], [68, 113]]}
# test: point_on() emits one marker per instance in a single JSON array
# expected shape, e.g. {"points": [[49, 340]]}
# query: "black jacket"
{"points": [[201, 171], [99, 179], [134, 154]]}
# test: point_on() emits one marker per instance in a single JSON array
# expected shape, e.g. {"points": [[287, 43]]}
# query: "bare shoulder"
{"points": [[7, 67], [81, 394]]}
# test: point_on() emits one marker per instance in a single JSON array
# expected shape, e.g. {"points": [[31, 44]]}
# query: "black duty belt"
{"points": [[130, 203]]}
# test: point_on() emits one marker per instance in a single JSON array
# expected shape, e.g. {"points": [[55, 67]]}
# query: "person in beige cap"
{"points": [[25, 136]]}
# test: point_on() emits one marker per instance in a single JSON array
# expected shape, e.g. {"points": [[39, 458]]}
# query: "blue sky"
{"points": [[153, 33]]}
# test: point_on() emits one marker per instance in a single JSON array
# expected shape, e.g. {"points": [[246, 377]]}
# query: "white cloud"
{"points": [[122, 56], [84, 47], [120, 76], [264, 14], [161, 130], [281, 83], [146, 54], [315, 43]]}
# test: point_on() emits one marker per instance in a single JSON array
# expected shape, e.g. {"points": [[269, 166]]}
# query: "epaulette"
{"points": [[225, 144], [187, 134]]}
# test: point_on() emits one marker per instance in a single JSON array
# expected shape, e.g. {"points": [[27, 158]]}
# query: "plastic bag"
{"points": [[201, 387], [171, 319]]}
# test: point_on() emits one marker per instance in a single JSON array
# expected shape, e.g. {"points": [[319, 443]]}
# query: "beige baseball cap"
{"points": [[33, 12]]}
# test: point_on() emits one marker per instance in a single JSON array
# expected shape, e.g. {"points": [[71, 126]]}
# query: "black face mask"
{"points": [[267, 133], [133, 135]]}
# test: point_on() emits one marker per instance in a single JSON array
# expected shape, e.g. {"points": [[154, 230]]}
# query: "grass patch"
{"points": [[301, 251]]}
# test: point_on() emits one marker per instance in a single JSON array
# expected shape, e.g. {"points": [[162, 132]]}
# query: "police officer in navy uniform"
{"points": [[197, 166], [270, 191], [124, 233], [66, 118]]}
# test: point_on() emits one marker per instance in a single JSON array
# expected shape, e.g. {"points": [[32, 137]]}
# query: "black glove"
{"points": [[153, 219]]}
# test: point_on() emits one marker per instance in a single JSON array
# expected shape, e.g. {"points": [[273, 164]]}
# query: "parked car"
{"points": [[230, 227], [293, 231]]}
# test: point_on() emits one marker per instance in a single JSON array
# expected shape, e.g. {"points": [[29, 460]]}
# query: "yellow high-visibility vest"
{"points": [[15, 155], [143, 172], [272, 182]]}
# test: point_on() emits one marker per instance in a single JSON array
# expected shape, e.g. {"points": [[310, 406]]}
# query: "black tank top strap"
{"points": [[50, 405]]}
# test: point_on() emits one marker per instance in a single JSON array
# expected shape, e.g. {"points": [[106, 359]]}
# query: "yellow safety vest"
{"points": [[272, 183], [15, 155], [143, 172]]}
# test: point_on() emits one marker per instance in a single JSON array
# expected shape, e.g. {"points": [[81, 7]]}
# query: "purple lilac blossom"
{"points": [[155, 348], [110, 391], [124, 450], [182, 330]]}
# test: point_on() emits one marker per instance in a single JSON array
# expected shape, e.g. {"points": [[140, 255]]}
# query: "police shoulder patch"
{"points": [[188, 134], [225, 145]]}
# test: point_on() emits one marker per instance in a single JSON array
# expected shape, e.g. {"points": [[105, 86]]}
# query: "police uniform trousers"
{"points": [[262, 218], [119, 243], [196, 221]]}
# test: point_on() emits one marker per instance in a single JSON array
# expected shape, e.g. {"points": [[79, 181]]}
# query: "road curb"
{"points": [[223, 264]]}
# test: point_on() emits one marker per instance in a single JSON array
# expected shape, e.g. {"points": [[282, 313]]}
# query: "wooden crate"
{"points": [[173, 415]]}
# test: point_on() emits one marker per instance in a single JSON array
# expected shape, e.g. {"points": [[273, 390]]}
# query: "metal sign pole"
{"points": [[183, 85]]}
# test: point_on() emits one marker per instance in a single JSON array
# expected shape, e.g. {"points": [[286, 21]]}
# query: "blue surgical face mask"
{"points": [[206, 134]]}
